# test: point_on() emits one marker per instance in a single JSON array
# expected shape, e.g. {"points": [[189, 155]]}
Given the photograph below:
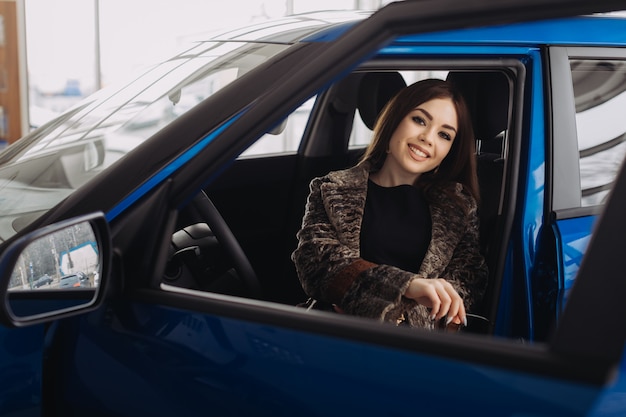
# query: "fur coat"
{"points": [[330, 269]]}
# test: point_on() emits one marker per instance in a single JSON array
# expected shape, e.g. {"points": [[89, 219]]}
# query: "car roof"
{"points": [[605, 29]]}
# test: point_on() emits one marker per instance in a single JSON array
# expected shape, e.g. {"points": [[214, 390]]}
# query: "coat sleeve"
{"points": [[332, 271], [467, 269]]}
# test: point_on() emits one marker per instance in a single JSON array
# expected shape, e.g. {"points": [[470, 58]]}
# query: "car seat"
{"points": [[488, 97], [375, 90]]}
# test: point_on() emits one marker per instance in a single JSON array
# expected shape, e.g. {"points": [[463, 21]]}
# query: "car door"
{"points": [[152, 351], [21, 358]]}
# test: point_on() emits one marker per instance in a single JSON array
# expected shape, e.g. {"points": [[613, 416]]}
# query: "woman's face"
{"points": [[421, 141]]}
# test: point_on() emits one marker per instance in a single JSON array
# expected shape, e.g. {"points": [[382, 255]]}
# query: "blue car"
{"points": [[180, 193]]}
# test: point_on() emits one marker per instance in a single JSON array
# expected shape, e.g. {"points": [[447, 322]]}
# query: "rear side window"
{"points": [[284, 138], [600, 99]]}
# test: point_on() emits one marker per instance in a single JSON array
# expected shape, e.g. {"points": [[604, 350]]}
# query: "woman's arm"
{"points": [[460, 285], [319, 255]]}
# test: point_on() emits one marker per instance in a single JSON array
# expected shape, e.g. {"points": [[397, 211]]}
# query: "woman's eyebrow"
{"points": [[430, 117]]}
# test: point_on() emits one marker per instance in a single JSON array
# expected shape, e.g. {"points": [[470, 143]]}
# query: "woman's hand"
{"points": [[438, 295]]}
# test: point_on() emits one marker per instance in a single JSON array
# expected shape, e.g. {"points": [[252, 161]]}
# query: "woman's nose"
{"points": [[426, 138]]}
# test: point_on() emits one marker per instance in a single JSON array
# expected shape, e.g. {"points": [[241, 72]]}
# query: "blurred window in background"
{"points": [[76, 47]]}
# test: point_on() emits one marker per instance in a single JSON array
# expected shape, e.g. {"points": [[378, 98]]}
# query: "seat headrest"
{"points": [[487, 96], [375, 90]]}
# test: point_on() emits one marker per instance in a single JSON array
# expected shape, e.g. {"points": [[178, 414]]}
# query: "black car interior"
{"points": [[488, 97], [262, 199]]}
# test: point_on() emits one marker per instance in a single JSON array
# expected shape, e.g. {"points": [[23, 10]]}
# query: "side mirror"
{"points": [[56, 271]]}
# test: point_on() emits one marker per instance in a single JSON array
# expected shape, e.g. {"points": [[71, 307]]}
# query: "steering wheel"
{"points": [[205, 208]]}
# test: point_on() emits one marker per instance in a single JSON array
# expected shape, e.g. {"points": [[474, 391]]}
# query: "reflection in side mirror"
{"points": [[55, 271], [66, 259]]}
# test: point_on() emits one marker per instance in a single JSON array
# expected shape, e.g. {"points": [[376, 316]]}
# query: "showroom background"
{"points": [[75, 47]]}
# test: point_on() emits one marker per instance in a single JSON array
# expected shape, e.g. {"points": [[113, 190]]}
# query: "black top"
{"points": [[396, 226]]}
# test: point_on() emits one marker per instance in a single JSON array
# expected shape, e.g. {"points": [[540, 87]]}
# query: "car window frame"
{"points": [[513, 61], [479, 349], [209, 301]]}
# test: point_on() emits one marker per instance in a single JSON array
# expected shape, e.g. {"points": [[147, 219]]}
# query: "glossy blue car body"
{"points": [[140, 349]]}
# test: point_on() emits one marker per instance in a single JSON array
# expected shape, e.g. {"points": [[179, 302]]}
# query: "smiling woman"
{"points": [[396, 237]]}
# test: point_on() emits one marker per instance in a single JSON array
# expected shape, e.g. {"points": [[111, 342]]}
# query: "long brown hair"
{"points": [[460, 163]]}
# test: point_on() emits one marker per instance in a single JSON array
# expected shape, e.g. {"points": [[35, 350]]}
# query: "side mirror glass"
{"points": [[55, 271]]}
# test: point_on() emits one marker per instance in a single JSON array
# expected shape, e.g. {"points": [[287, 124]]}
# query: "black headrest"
{"points": [[487, 96], [375, 90]]}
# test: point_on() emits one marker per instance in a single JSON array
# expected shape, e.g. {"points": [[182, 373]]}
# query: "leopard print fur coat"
{"points": [[330, 269]]}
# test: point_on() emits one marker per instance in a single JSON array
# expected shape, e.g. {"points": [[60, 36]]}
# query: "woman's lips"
{"points": [[418, 152]]}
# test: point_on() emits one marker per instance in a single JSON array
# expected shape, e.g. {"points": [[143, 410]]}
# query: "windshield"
{"points": [[51, 162]]}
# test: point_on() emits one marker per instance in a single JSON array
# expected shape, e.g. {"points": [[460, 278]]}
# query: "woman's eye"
{"points": [[445, 136], [419, 120]]}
